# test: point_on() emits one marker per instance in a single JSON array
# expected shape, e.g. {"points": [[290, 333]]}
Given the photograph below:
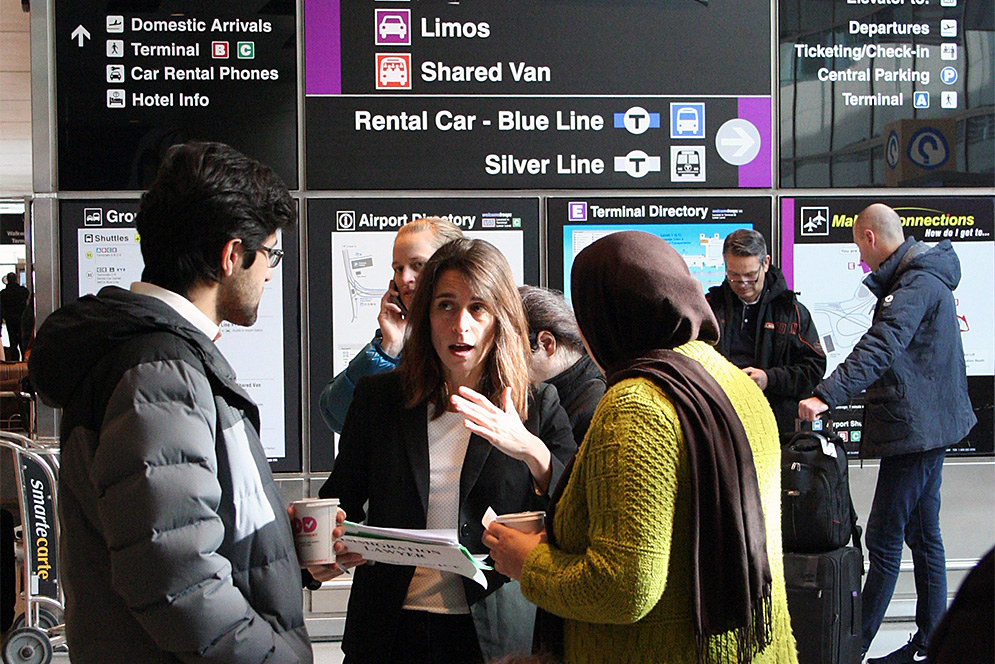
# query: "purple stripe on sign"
{"points": [[788, 241], [322, 52], [757, 173]]}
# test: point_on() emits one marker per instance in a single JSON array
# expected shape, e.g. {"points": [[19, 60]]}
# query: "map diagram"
{"points": [[702, 251]]}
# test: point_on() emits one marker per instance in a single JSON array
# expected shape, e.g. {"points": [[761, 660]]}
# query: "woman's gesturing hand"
{"points": [[504, 429]]}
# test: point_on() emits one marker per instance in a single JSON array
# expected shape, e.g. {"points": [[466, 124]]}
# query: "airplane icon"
{"points": [[815, 221]]}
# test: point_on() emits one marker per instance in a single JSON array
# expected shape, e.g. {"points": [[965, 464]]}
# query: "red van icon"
{"points": [[393, 72]]}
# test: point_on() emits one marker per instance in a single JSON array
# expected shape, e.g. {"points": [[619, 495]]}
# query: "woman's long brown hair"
{"points": [[489, 277]]}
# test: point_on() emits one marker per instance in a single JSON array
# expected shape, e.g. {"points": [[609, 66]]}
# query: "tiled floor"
{"points": [[891, 637]]}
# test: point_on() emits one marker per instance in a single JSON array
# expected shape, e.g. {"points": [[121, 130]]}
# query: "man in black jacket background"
{"points": [[765, 330], [559, 357], [911, 363]]}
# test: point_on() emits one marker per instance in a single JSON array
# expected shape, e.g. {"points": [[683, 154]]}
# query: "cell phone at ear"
{"points": [[395, 297]]}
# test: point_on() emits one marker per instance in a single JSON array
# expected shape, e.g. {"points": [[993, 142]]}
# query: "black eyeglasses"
{"points": [[273, 255], [744, 279]]}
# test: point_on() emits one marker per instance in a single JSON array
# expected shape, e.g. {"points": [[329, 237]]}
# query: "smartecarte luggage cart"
{"points": [[38, 630]]}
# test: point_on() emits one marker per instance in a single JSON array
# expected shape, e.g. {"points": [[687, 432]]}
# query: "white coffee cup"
{"points": [[313, 522], [526, 522]]}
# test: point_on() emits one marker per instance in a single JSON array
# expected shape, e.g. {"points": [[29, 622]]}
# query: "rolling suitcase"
{"points": [[824, 603]]}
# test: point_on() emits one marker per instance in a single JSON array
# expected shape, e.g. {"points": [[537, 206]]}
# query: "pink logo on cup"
{"points": [[297, 526], [310, 523]]}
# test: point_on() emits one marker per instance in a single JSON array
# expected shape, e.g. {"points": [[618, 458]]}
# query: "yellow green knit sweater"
{"points": [[621, 571]]}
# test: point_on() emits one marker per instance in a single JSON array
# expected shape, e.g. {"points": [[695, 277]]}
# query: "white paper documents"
{"points": [[438, 549]]}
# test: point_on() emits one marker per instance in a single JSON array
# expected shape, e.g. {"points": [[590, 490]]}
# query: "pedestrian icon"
{"points": [[687, 120], [948, 75], [948, 99], [920, 99], [115, 48]]}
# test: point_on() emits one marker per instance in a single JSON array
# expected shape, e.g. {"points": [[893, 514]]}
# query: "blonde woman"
{"points": [[414, 244]]}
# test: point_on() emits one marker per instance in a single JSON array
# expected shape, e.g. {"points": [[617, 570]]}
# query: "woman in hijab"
{"points": [[664, 541]]}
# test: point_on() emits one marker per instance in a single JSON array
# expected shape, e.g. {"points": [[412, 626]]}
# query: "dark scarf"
{"points": [[635, 301]]}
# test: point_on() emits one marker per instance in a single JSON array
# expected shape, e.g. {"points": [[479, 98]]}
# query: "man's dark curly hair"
{"points": [[204, 195]]}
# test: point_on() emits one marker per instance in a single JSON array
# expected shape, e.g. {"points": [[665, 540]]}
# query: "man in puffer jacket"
{"points": [[911, 362], [176, 544]]}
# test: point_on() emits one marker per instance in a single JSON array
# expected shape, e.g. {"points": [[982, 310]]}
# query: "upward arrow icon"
{"points": [[80, 33]]}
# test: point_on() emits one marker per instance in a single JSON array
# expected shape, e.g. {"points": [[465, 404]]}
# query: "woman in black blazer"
{"points": [[454, 430]]}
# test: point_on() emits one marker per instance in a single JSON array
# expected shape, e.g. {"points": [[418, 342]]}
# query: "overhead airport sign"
{"points": [[134, 79], [499, 94]]}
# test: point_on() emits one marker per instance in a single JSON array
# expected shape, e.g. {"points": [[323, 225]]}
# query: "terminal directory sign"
{"points": [[886, 92], [821, 261], [101, 248], [500, 94], [695, 226], [136, 78], [350, 242]]}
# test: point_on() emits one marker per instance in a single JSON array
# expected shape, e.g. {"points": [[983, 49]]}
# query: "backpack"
{"points": [[817, 513]]}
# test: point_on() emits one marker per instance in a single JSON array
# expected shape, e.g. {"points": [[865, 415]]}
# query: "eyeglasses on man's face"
{"points": [[273, 255], [747, 279]]}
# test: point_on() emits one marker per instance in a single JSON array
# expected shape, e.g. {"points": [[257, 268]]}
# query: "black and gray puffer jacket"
{"points": [[176, 544]]}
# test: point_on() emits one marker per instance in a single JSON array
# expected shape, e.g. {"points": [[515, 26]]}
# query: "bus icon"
{"points": [[393, 71], [687, 163], [687, 120]]}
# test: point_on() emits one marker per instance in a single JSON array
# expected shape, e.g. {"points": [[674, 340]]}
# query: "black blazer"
{"points": [[381, 475]]}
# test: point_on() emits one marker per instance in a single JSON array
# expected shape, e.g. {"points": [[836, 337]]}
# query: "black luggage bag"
{"points": [[824, 603], [817, 512]]}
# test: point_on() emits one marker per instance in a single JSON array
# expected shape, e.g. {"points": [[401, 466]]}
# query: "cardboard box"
{"points": [[915, 148]]}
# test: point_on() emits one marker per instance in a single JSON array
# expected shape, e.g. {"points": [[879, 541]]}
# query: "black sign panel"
{"points": [[501, 94], [821, 260], [134, 78], [886, 92], [350, 244], [100, 247], [11, 228]]}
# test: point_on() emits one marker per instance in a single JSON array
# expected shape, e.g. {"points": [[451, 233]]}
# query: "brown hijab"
{"points": [[635, 301]]}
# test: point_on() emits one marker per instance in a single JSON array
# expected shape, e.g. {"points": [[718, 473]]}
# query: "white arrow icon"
{"points": [[80, 34], [738, 141], [742, 141]]}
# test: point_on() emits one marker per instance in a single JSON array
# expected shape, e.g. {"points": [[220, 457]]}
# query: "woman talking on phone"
{"points": [[414, 244], [455, 430]]}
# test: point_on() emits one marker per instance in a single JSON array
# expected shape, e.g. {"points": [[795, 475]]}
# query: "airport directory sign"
{"points": [[350, 243], [886, 92], [132, 79], [100, 247], [518, 94], [821, 261], [695, 226]]}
